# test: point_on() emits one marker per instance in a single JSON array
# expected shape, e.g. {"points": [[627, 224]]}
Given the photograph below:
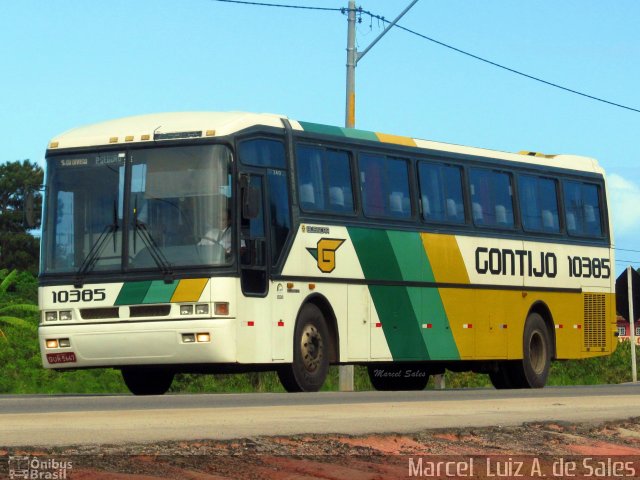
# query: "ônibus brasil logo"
{"points": [[325, 253]]}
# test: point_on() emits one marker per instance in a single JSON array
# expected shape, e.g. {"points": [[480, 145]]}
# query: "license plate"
{"points": [[67, 357]]}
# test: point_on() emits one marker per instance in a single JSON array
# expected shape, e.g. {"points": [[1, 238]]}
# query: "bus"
{"points": [[237, 242]]}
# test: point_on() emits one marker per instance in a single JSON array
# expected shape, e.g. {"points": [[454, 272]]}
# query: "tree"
{"points": [[18, 248]]}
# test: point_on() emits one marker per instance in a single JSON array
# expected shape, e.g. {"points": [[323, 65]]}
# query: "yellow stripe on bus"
{"points": [[445, 258], [395, 139], [189, 290]]}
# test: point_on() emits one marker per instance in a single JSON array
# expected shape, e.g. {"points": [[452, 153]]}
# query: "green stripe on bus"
{"points": [[428, 307], [393, 303], [322, 129], [360, 134], [160, 292], [133, 293], [338, 131]]}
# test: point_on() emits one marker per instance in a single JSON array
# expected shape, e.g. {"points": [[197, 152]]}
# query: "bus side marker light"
{"points": [[188, 338], [427, 325], [211, 133], [145, 137], [290, 286], [128, 138], [378, 324], [113, 139], [52, 343], [467, 325], [53, 145], [577, 327], [280, 323], [250, 323], [312, 286], [503, 326], [221, 308], [559, 326], [203, 337]]}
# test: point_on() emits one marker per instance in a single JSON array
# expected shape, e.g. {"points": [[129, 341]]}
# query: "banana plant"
{"points": [[9, 311]]}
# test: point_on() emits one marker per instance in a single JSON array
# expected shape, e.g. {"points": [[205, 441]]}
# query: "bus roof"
{"points": [[166, 126]]}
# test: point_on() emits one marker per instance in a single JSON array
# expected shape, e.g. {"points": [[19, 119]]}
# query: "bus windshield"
{"points": [[149, 209]]}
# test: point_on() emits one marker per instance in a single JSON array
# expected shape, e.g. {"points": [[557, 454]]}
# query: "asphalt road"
{"points": [[36, 420]]}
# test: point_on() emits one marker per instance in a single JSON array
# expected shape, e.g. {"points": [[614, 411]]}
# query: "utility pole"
{"points": [[353, 57], [632, 326]]}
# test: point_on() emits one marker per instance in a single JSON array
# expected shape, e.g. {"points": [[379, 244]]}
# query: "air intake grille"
{"points": [[595, 321], [99, 313]]}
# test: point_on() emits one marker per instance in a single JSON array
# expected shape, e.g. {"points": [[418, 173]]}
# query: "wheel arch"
{"points": [[331, 321], [542, 309]]}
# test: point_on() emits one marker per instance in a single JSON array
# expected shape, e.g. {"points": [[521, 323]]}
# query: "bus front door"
{"points": [[253, 241]]}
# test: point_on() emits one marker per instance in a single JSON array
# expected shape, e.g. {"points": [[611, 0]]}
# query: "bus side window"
{"points": [[491, 198], [441, 192], [582, 209], [384, 183], [539, 204], [324, 179]]}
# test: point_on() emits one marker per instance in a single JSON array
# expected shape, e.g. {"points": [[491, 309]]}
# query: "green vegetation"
{"points": [[18, 248], [21, 369]]}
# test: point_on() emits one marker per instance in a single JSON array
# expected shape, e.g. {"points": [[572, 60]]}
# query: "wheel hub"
{"points": [[538, 352], [311, 347]]}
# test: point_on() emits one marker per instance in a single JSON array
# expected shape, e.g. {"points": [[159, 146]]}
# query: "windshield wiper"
{"points": [[154, 250], [92, 257]]}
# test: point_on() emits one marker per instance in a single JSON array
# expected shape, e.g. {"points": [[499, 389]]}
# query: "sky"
{"points": [[67, 63]]}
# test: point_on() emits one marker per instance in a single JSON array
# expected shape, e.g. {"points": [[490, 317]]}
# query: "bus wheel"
{"points": [[397, 377], [533, 370], [310, 364], [147, 381]]}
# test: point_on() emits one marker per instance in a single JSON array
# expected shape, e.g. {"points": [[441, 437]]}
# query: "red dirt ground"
{"points": [[370, 457]]}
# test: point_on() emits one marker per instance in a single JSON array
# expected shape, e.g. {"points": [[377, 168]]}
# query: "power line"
{"points": [[631, 262], [498, 65], [626, 250], [280, 5], [361, 12]]}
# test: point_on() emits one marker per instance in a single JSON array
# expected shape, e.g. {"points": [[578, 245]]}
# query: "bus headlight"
{"points": [[50, 316], [65, 315], [186, 309]]}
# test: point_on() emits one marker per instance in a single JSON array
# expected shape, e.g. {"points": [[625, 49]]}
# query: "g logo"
{"points": [[325, 253]]}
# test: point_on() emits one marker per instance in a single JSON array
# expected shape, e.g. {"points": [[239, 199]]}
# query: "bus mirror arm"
{"points": [[250, 202]]}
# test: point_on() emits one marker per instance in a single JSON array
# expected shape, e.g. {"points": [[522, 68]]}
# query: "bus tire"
{"points": [[147, 381], [505, 376], [310, 365], [533, 370], [399, 377]]}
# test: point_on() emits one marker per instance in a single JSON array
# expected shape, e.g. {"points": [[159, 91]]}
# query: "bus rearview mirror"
{"points": [[29, 210]]}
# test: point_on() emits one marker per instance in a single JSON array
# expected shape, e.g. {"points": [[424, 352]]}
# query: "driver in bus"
{"points": [[220, 234]]}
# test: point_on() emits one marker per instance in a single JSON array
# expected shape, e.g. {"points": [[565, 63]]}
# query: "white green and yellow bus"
{"points": [[235, 242]]}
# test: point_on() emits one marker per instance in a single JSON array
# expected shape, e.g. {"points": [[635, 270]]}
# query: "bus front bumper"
{"points": [[140, 343]]}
